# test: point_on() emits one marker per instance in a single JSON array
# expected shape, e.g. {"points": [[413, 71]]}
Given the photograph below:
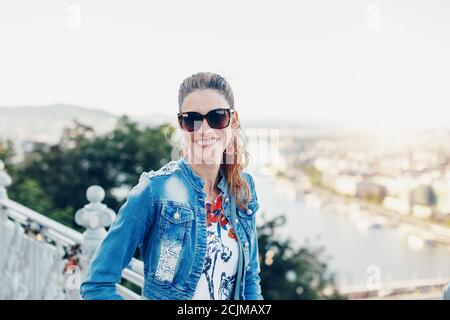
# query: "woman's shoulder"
{"points": [[166, 182], [166, 170], [253, 204], [249, 179], [251, 185]]}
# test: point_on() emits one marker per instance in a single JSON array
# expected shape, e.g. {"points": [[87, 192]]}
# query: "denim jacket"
{"points": [[165, 217]]}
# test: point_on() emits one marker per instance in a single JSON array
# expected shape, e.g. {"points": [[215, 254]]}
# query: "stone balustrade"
{"points": [[43, 259]]}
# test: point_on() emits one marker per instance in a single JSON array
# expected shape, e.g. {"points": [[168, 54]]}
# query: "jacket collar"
{"points": [[196, 181]]}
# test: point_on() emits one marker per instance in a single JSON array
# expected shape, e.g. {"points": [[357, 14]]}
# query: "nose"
{"points": [[203, 127]]}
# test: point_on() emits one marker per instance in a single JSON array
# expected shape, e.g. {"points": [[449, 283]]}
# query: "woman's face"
{"points": [[206, 145]]}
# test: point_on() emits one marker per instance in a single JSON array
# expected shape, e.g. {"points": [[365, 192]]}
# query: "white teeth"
{"points": [[206, 142]]}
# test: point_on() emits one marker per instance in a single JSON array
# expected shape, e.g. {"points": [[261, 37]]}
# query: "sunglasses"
{"points": [[217, 119]]}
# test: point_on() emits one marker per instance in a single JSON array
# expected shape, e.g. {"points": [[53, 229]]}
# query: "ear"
{"points": [[234, 120]]}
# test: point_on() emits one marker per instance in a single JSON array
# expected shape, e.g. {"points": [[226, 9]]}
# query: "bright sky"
{"points": [[370, 61]]}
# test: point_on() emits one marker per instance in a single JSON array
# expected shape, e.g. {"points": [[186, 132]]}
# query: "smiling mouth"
{"points": [[206, 142]]}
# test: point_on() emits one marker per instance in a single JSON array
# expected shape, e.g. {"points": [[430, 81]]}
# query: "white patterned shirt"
{"points": [[219, 271]]}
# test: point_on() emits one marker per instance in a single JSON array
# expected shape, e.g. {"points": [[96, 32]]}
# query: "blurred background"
{"points": [[345, 106]]}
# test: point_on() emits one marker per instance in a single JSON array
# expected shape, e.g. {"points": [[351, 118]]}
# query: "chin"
{"points": [[207, 155], [206, 159]]}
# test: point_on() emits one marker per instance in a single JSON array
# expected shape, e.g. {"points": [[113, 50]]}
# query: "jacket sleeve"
{"points": [[118, 247], [252, 290]]}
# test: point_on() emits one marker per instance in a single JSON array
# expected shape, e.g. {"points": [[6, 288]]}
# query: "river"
{"points": [[352, 251]]}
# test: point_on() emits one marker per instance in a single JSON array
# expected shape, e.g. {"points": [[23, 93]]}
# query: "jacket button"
{"points": [[176, 215], [227, 199], [249, 211], [246, 244]]}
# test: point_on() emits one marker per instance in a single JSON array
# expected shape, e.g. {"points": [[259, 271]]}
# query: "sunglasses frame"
{"points": [[205, 116]]}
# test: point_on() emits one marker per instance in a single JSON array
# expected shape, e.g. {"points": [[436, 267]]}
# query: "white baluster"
{"points": [[8, 276], [54, 279], [5, 181], [13, 269], [94, 216]]}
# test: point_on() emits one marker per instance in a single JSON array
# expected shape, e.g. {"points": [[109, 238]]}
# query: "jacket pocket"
{"points": [[176, 222], [174, 230]]}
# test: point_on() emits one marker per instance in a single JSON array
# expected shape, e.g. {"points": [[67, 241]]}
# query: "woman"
{"points": [[193, 219]]}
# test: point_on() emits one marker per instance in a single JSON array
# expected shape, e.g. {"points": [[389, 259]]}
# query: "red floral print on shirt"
{"points": [[214, 214]]}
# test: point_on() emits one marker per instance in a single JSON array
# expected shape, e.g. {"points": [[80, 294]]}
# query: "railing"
{"points": [[436, 287], [43, 259]]}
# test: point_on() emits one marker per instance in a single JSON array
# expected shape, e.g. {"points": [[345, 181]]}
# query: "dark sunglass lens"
{"points": [[218, 119], [191, 121]]}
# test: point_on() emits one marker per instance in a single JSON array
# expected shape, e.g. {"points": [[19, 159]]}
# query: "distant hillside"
{"points": [[45, 123], [155, 119]]}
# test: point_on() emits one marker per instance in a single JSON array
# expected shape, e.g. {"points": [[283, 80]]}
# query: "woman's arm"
{"points": [[252, 290], [119, 245], [252, 278]]}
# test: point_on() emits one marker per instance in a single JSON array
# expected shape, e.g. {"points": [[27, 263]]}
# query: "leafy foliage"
{"points": [[61, 173], [292, 273]]}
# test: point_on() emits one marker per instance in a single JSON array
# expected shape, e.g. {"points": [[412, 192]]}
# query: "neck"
{"points": [[209, 173]]}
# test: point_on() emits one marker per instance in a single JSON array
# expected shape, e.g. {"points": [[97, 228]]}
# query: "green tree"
{"points": [[31, 194], [292, 273], [114, 160]]}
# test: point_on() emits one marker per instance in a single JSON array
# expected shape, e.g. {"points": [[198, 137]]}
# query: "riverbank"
{"points": [[430, 232]]}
